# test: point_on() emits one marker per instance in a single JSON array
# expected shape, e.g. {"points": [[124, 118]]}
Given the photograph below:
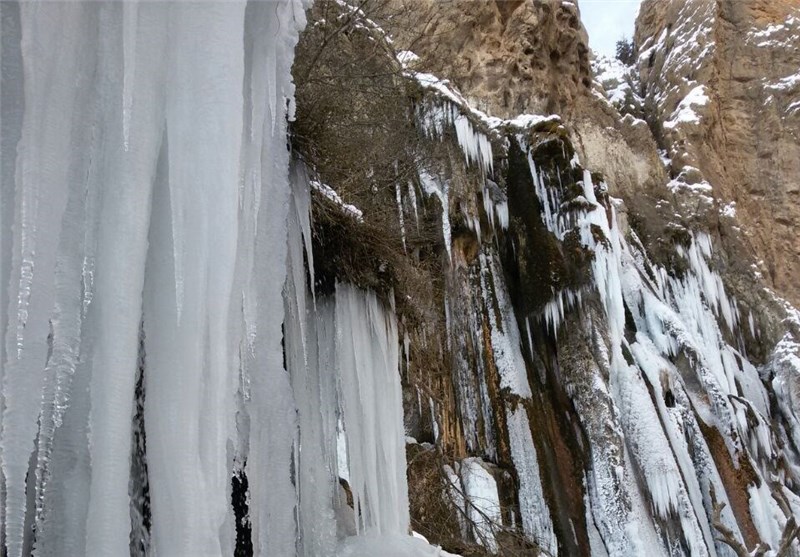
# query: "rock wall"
{"points": [[508, 57], [512, 57], [722, 92]]}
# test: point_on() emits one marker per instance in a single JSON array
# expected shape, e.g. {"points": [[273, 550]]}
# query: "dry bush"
{"points": [[355, 129]]}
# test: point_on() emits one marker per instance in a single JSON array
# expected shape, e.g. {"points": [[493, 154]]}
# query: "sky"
{"points": [[607, 21]]}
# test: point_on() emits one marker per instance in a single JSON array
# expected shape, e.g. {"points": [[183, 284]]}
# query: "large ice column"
{"points": [[368, 363], [110, 112], [193, 249], [310, 357], [11, 104], [270, 34], [41, 193], [124, 215]]}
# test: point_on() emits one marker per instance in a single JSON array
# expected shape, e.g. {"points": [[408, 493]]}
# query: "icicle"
{"points": [[530, 339], [476, 146], [412, 195], [301, 194], [399, 198], [554, 310], [432, 186], [407, 349], [502, 214], [129, 23], [488, 207], [434, 421]]}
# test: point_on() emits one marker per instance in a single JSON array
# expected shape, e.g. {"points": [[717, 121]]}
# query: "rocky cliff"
{"points": [[721, 88], [600, 334]]}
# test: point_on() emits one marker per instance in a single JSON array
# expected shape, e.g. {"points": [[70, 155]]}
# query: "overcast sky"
{"points": [[607, 21]]}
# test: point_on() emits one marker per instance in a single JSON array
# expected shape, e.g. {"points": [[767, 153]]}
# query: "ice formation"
{"points": [[536, 521]]}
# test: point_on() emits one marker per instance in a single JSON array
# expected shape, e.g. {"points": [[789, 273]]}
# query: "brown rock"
{"points": [[746, 141], [511, 56]]}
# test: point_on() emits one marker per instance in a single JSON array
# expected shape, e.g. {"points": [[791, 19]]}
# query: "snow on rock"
{"points": [[525, 121], [616, 80], [506, 342], [406, 57], [679, 49], [728, 210], [685, 112], [784, 366], [330, 194], [785, 83], [780, 35], [390, 546], [455, 493]]}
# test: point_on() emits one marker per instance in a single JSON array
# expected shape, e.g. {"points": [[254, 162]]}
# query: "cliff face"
{"points": [[722, 91], [582, 325], [731, 64], [511, 57]]}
